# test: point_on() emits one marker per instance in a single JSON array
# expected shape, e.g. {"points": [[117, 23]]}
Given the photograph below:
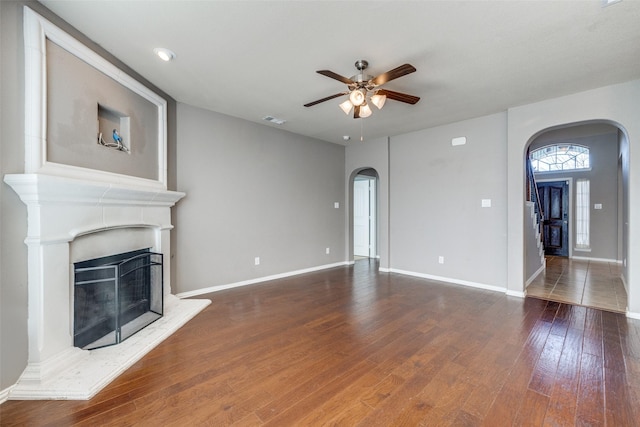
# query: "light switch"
{"points": [[486, 203], [336, 205]]}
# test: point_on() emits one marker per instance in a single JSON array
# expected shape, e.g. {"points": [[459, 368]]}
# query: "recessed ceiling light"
{"points": [[164, 54]]}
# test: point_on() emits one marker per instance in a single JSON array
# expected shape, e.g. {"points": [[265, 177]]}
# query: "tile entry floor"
{"points": [[589, 283]]}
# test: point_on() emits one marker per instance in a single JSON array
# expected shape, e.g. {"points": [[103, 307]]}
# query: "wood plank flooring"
{"points": [[352, 347]]}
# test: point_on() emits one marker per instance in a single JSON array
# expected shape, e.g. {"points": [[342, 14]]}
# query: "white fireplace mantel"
{"points": [[60, 210], [77, 213]]}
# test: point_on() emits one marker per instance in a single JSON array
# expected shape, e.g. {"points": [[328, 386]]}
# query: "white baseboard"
{"points": [[4, 394], [517, 294], [450, 280], [624, 283], [384, 270], [585, 258], [633, 315], [536, 274], [260, 280]]}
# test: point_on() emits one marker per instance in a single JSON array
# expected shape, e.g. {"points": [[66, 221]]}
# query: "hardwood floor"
{"points": [[581, 282], [349, 346]]}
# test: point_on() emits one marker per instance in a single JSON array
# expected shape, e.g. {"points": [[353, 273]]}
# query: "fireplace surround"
{"points": [[76, 212], [70, 220]]}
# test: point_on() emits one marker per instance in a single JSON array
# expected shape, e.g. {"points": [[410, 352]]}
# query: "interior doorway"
{"points": [[364, 214], [588, 269]]}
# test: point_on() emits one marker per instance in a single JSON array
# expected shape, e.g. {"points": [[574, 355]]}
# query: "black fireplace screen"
{"points": [[115, 297]]}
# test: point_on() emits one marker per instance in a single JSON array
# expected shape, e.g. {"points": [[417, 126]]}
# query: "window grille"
{"points": [[560, 157]]}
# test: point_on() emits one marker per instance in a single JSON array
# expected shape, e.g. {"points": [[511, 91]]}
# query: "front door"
{"points": [[554, 197]]}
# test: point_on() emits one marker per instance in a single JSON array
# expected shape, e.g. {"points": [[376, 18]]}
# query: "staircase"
{"points": [[534, 198], [535, 224], [534, 236]]}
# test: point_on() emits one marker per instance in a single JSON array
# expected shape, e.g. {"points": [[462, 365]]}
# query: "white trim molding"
{"points": [[536, 273], [633, 315], [582, 258], [450, 280], [4, 394], [36, 32], [517, 294], [260, 280]]}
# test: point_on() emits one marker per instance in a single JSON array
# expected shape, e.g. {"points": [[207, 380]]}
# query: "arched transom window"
{"points": [[560, 157]]}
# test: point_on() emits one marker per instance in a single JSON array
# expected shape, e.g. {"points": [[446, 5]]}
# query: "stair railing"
{"points": [[534, 196]]}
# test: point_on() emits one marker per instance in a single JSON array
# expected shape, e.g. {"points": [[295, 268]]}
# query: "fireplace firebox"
{"points": [[115, 297]]}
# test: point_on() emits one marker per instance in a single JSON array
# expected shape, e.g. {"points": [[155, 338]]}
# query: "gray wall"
{"points": [[72, 123], [436, 194], [13, 213], [603, 178], [253, 191]]}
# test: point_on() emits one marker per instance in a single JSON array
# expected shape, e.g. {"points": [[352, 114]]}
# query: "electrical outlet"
{"points": [[257, 260], [440, 260], [327, 251]]}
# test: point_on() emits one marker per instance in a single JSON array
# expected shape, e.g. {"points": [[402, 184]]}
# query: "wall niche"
{"points": [[83, 98], [113, 129]]}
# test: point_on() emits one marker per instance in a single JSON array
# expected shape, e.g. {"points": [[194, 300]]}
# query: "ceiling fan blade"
{"points": [[335, 76], [325, 99], [400, 71], [356, 111], [398, 96]]}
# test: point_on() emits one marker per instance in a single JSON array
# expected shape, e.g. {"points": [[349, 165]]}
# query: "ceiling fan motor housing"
{"points": [[361, 78]]}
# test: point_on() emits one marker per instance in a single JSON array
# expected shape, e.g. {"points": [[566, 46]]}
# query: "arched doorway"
{"points": [[589, 271]]}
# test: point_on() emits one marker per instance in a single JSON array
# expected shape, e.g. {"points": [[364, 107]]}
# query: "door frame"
{"points": [[571, 212], [372, 214], [375, 206]]}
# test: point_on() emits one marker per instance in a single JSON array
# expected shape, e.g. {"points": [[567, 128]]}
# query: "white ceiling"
{"points": [[250, 59]]}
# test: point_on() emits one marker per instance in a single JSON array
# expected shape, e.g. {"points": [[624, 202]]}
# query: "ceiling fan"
{"points": [[364, 88]]}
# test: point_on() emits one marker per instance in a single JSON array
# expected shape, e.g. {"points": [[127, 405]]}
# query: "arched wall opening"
{"points": [[618, 105], [604, 238]]}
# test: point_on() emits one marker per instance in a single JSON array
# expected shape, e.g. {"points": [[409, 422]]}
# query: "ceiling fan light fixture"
{"points": [[357, 97], [365, 111], [378, 100], [346, 106]]}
